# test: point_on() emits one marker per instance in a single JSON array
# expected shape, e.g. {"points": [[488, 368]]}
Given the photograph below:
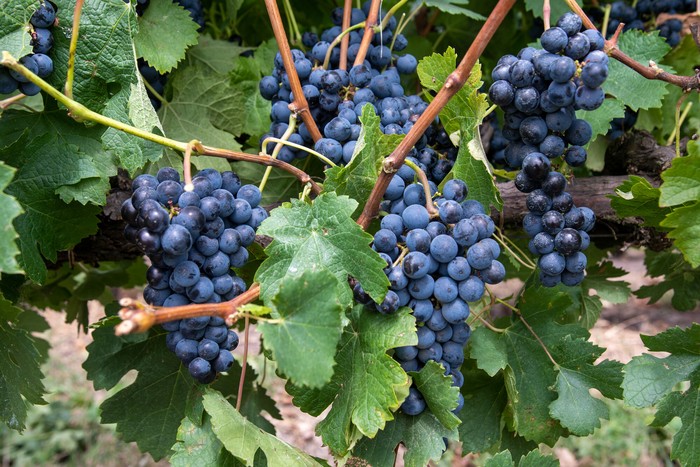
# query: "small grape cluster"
{"points": [[38, 62], [435, 267], [540, 91], [193, 239], [639, 15], [620, 126], [336, 97]]}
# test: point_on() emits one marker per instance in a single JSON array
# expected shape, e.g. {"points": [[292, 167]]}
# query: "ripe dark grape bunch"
{"points": [[193, 239], [539, 92], [38, 62], [337, 97], [435, 267]]}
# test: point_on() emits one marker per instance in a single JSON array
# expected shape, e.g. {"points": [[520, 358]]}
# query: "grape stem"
{"points": [[241, 381], [10, 101], [299, 105], [423, 179], [345, 42], [272, 139], [370, 23], [453, 84], [80, 112], [338, 40], [278, 147], [687, 83], [70, 75], [546, 14], [137, 317]]}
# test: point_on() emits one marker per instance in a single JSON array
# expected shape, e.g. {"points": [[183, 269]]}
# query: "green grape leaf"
{"points": [[368, 385], [651, 380], [198, 445], [20, 373], [636, 197], [48, 225], [14, 34], [488, 351], [557, 8], [454, 7], [685, 222], [461, 117], [243, 439], [627, 85], [575, 408], [153, 417], [439, 393], [537, 387], [502, 459], [421, 435], [166, 30], [682, 180], [221, 56], [357, 179], [679, 278], [485, 400], [309, 326], [9, 210], [255, 398], [600, 118], [316, 236], [537, 459], [106, 78]]}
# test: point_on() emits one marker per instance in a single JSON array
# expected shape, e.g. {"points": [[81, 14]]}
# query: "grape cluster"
{"points": [[643, 13], [193, 239], [435, 267], [540, 91], [38, 62]]}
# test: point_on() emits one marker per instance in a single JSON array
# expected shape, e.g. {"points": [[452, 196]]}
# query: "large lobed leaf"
{"points": [[320, 236], [106, 78], [166, 30], [20, 373], [650, 381], [627, 85], [9, 210], [439, 393], [142, 414], [368, 385], [679, 278], [485, 399], [14, 35], [308, 326]]}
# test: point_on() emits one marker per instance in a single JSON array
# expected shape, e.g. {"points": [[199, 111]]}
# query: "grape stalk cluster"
{"points": [[39, 62], [337, 97], [193, 239], [435, 266], [540, 91]]}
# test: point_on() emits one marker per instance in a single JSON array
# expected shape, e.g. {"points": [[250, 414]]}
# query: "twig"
{"points": [[392, 11], [429, 205], [546, 14], [318, 155], [137, 317], [687, 83], [489, 325], [347, 17], [370, 23], [299, 105], [10, 101], [278, 147], [241, 382], [187, 164], [79, 111], [155, 93], [606, 20], [73, 45], [453, 84], [338, 40]]}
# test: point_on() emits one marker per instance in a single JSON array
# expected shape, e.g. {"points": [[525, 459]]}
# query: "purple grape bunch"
{"points": [[540, 91], [193, 239], [39, 62], [435, 266]]}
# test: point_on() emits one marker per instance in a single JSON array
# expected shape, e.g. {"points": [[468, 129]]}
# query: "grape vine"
{"points": [[333, 179]]}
